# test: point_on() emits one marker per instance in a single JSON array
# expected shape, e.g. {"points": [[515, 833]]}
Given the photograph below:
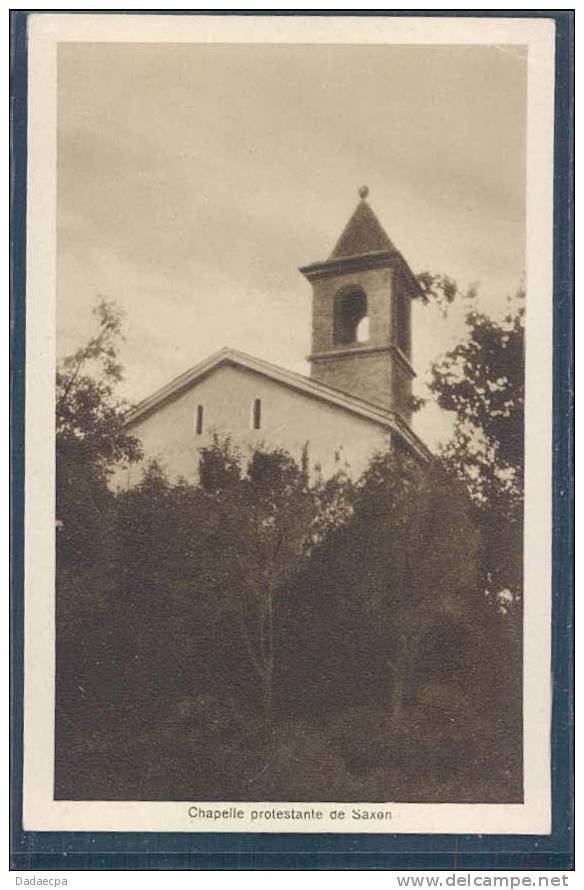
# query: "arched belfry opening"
{"points": [[350, 318]]}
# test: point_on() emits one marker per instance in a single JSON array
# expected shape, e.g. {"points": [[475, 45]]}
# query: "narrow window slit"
{"points": [[257, 414], [199, 420]]}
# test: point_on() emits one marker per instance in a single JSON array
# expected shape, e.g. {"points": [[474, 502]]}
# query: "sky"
{"points": [[193, 180]]}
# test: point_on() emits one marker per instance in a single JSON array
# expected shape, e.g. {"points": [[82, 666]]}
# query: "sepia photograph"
{"points": [[292, 294]]}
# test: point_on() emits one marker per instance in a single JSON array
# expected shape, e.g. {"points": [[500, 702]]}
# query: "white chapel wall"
{"points": [[289, 419]]}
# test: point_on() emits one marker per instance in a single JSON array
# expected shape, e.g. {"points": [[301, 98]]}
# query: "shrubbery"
{"points": [[211, 646]]}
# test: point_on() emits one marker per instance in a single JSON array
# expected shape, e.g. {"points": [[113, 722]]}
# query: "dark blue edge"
{"points": [[157, 851]]}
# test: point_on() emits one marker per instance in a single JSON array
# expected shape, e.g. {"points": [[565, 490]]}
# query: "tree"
{"points": [[90, 435], [89, 417], [269, 516], [403, 657], [407, 555], [482, 381], [90, 440], [199, 569]]}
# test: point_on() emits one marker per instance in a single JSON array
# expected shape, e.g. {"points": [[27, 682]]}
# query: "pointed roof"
{"points": [[364, 244], [363, 233]]}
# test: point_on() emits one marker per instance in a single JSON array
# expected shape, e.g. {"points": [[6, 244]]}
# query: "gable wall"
{"points": [[289, 420]]}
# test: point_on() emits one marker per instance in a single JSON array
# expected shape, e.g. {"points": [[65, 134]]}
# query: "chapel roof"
{"points": [[363, 233]]}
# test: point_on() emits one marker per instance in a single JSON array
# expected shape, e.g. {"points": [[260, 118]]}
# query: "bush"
{"points": [[391, 676]]}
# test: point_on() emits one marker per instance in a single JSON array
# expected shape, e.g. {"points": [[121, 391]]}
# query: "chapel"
{"points": [[356, 400]]}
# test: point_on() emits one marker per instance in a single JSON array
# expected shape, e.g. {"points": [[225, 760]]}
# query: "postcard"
{"points": [[288, 424]]}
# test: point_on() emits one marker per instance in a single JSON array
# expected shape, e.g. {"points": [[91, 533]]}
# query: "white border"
{"points": [[41, 812]]}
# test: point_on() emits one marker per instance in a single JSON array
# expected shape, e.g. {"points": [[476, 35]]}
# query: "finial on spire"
{"points": [[363, 192]]}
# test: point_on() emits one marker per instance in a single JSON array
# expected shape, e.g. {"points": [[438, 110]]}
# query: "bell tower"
{"points": [[361, 315]]}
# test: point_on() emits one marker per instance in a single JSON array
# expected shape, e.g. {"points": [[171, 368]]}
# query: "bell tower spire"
{"points": [[361, 314]]}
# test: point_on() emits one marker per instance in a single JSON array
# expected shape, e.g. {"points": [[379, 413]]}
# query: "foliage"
{"points": [[225, 548], [441, 290], [482, 380], [396, 692], [90, 435], [89, 418], [405, 559]]}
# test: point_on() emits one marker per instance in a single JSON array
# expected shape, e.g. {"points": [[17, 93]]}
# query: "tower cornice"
{"points": [[357, 263], [345, 352], [361, 262]]}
